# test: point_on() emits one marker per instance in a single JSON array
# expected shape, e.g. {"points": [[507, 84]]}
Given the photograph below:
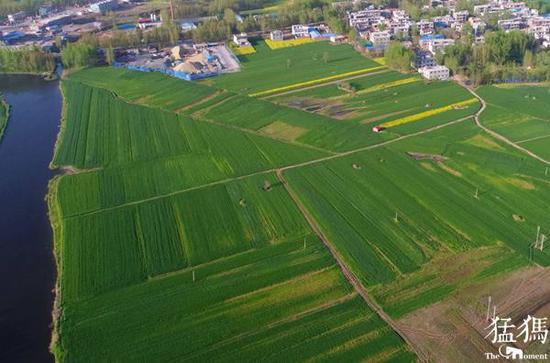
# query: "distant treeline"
{"points": [[504, 56], [31, 6], [26, 60], [296, 12]]}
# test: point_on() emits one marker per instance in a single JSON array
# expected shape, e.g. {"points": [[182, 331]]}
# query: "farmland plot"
{"points": [[150, 89], [386, 99], [389, 213], [267, 69], [521, 114], [177, 244], [227, 273], [276, 303], [143, 152]]}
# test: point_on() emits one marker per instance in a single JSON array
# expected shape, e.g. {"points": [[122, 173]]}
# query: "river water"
{"points": [[27, 267]]}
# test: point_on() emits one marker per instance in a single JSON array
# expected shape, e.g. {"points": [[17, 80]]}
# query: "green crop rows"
{"points": [[267, 69], [521, 114], [170, 248], [176, 241], [389, 214]]}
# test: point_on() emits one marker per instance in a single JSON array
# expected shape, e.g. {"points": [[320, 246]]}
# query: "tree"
{"points": [[79, 54], [528, 59], [27, 59], [352, 35], [398, 57], [109, 55]]}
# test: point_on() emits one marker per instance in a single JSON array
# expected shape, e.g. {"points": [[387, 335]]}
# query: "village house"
{"points": [[300, 31], [241, 39], [425, 27], [276, 35], [380, 39], [435, 72]]}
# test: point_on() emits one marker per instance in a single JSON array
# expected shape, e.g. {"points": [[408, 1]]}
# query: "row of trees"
{"points": [[26, 60], [299, 12], [504, 57], [30, 6], [493, 60]]}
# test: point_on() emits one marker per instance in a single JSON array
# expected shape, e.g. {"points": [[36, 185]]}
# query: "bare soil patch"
{"points": [[454, 330]]}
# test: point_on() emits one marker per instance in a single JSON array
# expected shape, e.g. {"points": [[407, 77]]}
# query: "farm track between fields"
{"points": [[495, 134], [284, 93], [272, 170], [533, 139], [350, 276]]}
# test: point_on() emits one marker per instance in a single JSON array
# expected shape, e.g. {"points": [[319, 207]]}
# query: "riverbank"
{"points": [[54, 214], [4, 116]]}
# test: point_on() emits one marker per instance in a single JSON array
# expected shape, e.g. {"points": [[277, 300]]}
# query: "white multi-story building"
{"points": [[511, 24], [438, 45], [14, 18], [300, 31], [434, 45], [380, 39], [478, 25], [241, 39], [461, 16], [446, 20], [363, 18], [425, 27], [276, 35], [435, 72], [423, 58]]}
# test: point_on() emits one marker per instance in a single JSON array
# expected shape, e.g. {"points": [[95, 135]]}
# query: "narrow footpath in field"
{"points": [[495, 134], [352, 279]]}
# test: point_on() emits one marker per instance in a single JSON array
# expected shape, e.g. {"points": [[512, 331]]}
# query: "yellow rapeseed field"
{"points": [[278, 44], [316, 81], [244, 50], [380, 60], [425, 114]]}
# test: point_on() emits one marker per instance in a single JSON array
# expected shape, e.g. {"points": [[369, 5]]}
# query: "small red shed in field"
{"points": [[378, 128]]}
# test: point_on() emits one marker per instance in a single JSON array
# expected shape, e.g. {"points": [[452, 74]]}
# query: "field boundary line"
{"points": [[532, 139], [255, 132], [272, 170], [348, 274], [340, 77], [323, 84], [200, 101], [495, 134]]}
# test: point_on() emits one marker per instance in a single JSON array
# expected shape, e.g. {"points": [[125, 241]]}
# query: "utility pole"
{"points": [[193, 275], [476, 195], [305, 243], [395, 218]]}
